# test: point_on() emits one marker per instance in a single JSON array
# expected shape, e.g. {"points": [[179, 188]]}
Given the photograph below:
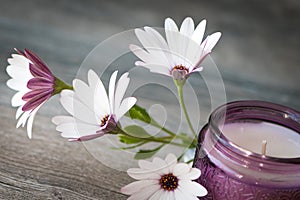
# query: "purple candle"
{"points": [[236, 170]]}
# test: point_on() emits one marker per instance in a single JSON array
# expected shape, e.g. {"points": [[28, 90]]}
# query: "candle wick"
{"points": [[264, 147]]}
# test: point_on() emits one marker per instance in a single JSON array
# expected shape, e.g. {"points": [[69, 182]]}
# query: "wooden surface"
{"points": [[258, 57]]}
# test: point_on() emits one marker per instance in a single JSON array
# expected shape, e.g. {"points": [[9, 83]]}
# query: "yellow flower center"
{"points": [[168, 182]]}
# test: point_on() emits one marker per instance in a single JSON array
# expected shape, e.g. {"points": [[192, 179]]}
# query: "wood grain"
{"points": [[258, 58]]}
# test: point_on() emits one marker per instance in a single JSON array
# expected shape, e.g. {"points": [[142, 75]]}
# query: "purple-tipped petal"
{"points": [[37, 61], [36, 100], [35, 94], [199, 69], [30, 105], [87, 137], [39, 83], [20, 52], [37, 72]]}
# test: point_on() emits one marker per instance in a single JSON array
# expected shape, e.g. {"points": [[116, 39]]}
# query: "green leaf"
{"points": [[147, 153], [135, 135], [136, 131], [129, 140], [137, 112]]}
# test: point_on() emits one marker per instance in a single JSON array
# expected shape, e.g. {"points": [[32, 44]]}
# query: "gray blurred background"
{"points": [[258, 54], [258, 57]]}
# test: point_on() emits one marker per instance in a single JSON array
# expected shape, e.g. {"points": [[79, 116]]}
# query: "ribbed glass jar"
{"points": [[230, 172]]}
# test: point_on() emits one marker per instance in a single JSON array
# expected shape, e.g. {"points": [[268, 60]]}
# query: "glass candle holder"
{"points": [[230, 171]]}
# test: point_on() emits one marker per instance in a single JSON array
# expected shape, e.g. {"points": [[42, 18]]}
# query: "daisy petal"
{"points": [[78, 108], [145, 164], [111, 91], [140, 174], [17, 84], [141, 53], [85, 93], [160, 69], [180, 195], [161, 42], [19, 112], [137, 186], [159, 163], [186, 47], [76, 129], [101, 102], [23, 119], [66, 100], [193, 174], [171, 25], [19, 72], [19, 60], [171, 160], [30, 121], [193, 188], [187, 27], [181, 168], [199, 32], [158, 195], [160, 46], [171, 31], [145, 193], [62, 119], [150, 44], [209, 43], [16, 100], [125, 106], [120, 90]]}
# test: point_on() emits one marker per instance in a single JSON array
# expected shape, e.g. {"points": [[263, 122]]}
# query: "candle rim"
{"points": [[255, 104]]}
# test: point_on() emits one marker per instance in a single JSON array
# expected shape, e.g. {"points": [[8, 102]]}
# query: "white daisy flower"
{"points": [[180, 54], [94, 113], [164, 179], [34, 83]]}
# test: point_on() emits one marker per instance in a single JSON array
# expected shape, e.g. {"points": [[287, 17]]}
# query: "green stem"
{"points": [[59, 85], [157, 125], [139, 113], [134, 146], [151, 139], [181, 101]]}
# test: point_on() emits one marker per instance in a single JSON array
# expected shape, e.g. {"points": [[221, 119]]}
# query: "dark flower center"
{"points": [[168, 182], [180, 67], [104, 120]]}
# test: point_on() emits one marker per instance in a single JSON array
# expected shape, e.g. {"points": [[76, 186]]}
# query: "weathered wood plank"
{"points": [[48, 167]]}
